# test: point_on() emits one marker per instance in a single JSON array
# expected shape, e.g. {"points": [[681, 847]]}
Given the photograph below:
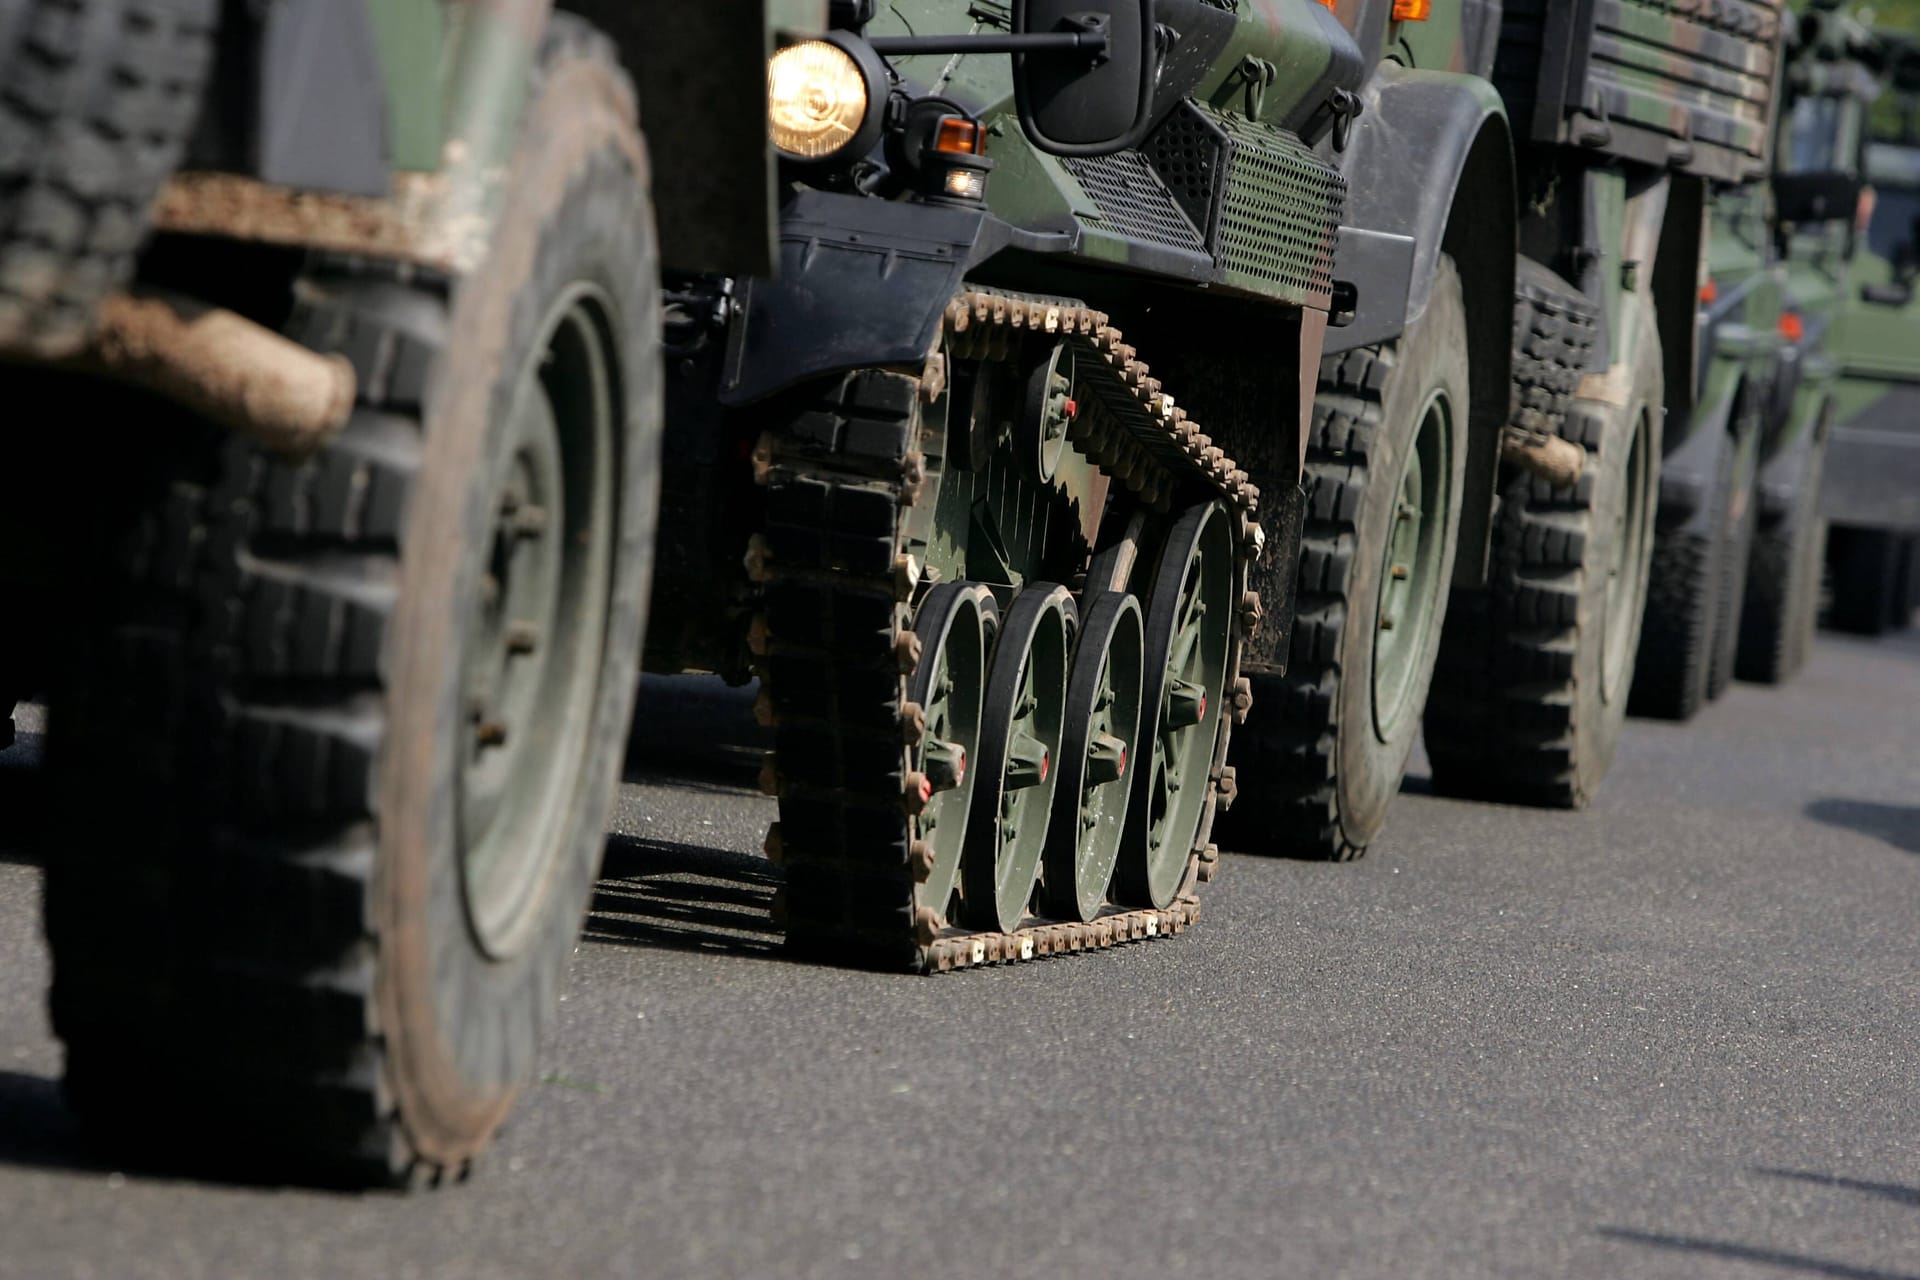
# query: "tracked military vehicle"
{"points": [[1484, 491], [978, 505], [351, 315], [1872, 491]]}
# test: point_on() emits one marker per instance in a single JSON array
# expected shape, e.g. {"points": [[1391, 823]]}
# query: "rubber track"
{"points": [[832, 643], [1499, 717], [1291, 746], [247, 700], [97, 100]]}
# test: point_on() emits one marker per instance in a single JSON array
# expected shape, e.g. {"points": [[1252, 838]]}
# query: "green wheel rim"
{"points": [[1627, 568], [955, 624], [532, 649], [1410, 569], [1014, 779], [1103, 729], [1188, 631]]}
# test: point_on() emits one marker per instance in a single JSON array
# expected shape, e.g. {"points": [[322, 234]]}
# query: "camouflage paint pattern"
{"points": [[1874, 459], [1267, 63]]}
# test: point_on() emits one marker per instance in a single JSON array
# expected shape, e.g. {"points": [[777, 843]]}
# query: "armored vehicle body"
{"points": [[1525, 238]]}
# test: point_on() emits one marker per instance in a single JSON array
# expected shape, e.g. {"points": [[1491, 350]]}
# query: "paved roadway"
{"points": [[1673, 1036]]}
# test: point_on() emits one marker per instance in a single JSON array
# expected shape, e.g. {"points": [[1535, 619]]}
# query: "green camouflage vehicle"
{"points": [[1872, 491], [1735, 575], [352, 315], [1834, 79], [997, 580], [1526, 235]]}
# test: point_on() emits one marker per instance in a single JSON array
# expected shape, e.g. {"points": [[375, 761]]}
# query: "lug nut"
{"points": [[774, 846], [770, 776], [523, 638], [490, 733]]}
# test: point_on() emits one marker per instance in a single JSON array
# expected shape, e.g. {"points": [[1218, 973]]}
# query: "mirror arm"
{"points": [[1093, 42]]}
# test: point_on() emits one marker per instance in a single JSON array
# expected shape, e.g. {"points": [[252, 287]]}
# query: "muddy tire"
{"points": [[97, 99], [1531, 691], [370, 708], [1783, 583], [1686, 581], [1325, 746]]}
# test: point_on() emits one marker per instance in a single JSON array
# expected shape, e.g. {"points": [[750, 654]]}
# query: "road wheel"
{"points": [[1686, 580], [369, 708], [1325, 746], [100, 97], [1534, 671]]}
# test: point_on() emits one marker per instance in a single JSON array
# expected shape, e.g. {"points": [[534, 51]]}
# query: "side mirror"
{"points": [[1887, 295], [1816, 197], [1076, 102]]}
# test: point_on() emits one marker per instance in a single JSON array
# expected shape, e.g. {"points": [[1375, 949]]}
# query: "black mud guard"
{"points": [[1431, 158], [859, 282]]}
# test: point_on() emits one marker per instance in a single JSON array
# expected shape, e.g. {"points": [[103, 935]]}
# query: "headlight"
{"points": [[821, 100]]}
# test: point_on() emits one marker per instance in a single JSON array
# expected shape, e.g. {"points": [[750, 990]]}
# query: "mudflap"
{"points": [[861, 283]]}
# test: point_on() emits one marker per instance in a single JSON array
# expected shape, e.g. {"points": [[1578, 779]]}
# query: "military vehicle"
{"points": [[1735, 575], [1872, 489], [1001, 581], [1834, 78], [356, 620], [351, 314], [1526, 235]]}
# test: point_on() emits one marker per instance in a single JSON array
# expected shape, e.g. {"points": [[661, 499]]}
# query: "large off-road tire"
{"points": [[97, 99], [361, 717], [1743, 522], [1873, 572], [1686, 581], [1783, 581], [1324, 748], [1531, 691]]}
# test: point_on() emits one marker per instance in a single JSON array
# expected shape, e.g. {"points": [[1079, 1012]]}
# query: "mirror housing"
{"points": [[1816, 197], [1071, 104]]}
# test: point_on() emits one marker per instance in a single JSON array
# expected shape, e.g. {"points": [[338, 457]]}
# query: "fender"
{"points": [[860, 282], [1431, 160]]}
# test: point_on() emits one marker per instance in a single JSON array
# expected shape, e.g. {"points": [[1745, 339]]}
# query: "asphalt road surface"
{"points": [[1671, 1036]]}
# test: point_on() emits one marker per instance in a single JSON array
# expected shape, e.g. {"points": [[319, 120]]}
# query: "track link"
{"points": [[835, 648]]}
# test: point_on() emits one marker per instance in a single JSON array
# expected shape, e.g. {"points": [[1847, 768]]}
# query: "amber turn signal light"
{"points": [[1792, 328], [960, 137], [1412, 10]]}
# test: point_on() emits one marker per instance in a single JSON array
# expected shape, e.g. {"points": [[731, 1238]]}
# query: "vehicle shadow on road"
{"points": [[1897, 824], [23, 801], [1733, 1252], [1909, 1196], [656, 893]]}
